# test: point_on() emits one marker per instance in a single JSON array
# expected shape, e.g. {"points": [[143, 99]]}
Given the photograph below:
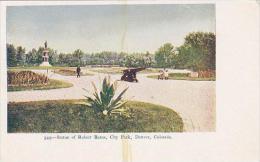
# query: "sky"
{"points": [[96, 28]]}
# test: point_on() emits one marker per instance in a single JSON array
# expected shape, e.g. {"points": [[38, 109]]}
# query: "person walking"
{"points": [[166, 75], [78, 71]]}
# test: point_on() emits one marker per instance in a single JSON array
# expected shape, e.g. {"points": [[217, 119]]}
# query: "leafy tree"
{"points": [[20, 55], [11, 55], [53, 57], [39, 54], [201, 48], [122, 58], [164, 55], [62, 59], [130, 61], [148, 59], [31, 57], [197, 60], [78, 54], [181, 58]]}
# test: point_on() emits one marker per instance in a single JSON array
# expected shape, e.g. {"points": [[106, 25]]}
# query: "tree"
{"points": [[53, 57], [39, 55], [78, 54], [181, 58], [20, 55], [31, 57], [201, 50], [11, 55], [62, 59], [122, 58], [17, 56], [148, 59], [164, 55], [130, 61]]}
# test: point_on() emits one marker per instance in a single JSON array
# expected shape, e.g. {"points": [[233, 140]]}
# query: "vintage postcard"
{"points": [[76, 73]]}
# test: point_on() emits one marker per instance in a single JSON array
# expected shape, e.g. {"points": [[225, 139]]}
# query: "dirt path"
{"points": [[193, 100]]}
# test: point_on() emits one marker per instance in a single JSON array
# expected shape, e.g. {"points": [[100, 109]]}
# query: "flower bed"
{"points": [[26, 78]]}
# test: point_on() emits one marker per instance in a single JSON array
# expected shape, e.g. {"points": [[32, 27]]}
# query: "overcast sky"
{"points": [[132, 28]]}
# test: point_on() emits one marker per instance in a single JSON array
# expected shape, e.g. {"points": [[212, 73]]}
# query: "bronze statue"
{"points": [[129, 75], [45, 44]]}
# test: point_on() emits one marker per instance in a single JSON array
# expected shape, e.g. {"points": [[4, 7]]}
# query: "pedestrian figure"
{"points": [[78, 72], [161, 75], [166, 75]]}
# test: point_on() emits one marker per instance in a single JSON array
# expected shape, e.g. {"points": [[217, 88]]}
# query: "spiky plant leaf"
{"points": [[103, 100], [118, 99]]}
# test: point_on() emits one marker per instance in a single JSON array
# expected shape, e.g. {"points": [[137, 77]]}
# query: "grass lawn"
{"points": [[119, 70], [106, 70], [70, 72], [53, 84], [183, 76], [34, 67], [62, 116], [66, 71]]}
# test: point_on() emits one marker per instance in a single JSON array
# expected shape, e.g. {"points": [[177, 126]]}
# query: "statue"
{"points": [[45, 44], [129, 75], [45, 56]]}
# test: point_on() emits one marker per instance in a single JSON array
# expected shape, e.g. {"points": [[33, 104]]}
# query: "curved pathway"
{"points": [[193, 100]]}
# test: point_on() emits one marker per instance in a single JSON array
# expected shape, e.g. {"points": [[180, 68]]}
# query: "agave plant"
{"points": [[105, 101]]}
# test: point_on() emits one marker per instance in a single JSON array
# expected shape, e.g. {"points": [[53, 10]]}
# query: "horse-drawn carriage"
{"points": [[129, 75]]}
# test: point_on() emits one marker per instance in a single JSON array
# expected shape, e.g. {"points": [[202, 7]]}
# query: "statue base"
{"points": [[45, 64]]}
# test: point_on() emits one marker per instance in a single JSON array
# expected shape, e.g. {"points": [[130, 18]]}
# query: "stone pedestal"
{"points": [[45, 64]]}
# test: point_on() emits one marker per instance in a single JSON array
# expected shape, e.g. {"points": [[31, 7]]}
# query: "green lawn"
{"points": [[70, 72], [106, 70], [34, 67], [119, 70], [183, 76], [150, 70], [53, 84], [67, 71], [73, 116]]}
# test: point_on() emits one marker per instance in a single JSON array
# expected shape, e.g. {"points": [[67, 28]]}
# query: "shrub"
{"points": [[207, 73], [104, 101]]}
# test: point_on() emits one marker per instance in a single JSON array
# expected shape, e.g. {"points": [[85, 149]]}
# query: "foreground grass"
{"points": [[183, 76], [73, 116], [53, 84]]}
